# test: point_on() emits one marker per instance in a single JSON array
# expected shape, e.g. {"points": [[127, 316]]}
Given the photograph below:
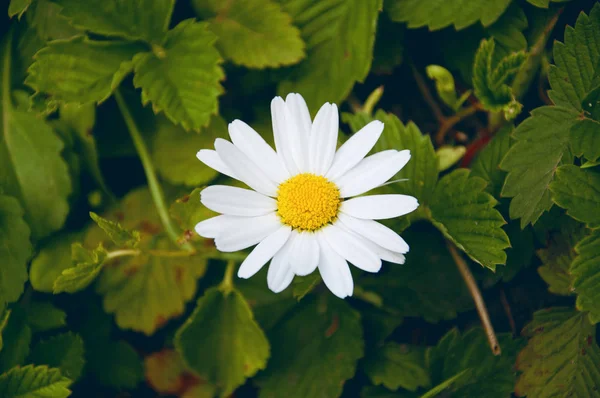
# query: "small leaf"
{"points": [[88, 264], [121, 18], [116, 233], [53, 257], [315, 350], [221, 341], [541, 144], [30, 381], [63, 351], [562, 357], [577, 190], [43, 316], [246, 39], [81, 70], [444, 85], [487, 163], [398, 365], [181, 78], [448, 156], [18, 7], [302, 285], [187, 211], [585, 271], [15, 249], [465, 214]]}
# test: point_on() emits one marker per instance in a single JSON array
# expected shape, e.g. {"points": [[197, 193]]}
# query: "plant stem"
{"points": [[227, 283], [506, 306], [122, 253], [463, 268], [435, 108], [448, 123], [153, 185]]}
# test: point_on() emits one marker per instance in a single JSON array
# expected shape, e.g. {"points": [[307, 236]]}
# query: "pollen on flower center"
{"points": [[308, 202]]}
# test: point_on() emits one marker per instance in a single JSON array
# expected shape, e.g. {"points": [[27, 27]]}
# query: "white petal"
{"points": [[381, 252], [369, 173], [305, 254], [280, 273], [335, 271], [245, 169], [352, 248], [281, 134], [375, 232], [299, 111], [246, 231], [237, 201], [212, 227], [323, 139], [211, 159], [355, 149], [263, 252], [256, 148], [379, 207]]}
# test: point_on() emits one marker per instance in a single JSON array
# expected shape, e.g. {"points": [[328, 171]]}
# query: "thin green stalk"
{"points": [[153, 185], [227, 283]]}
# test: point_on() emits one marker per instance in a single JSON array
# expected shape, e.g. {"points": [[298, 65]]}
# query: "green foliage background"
{"points": [[105, 290]]}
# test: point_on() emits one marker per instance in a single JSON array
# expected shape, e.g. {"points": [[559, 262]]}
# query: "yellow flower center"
{"points": [[308, 202]]}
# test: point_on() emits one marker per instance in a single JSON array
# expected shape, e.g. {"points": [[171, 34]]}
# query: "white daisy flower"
{"points": [[300, 212]]}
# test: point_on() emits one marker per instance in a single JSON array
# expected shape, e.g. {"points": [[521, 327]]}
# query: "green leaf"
{"points": [[4, 315], [487, 163], [339, 36], [585, 271], [43, 316], [584, 138], [51, 260], [181, 78], [28, 145], [448, 156], [81, 70], [388, 54], [136, 20], [145, 290], [398, 365], [562, 358], [115, 364], [221, 342], [38, 381], [302, 285], [15, 249], [576, 190], [16, 337], [63, 351], [246, 39], [444, 85], [459, 13], [172, 142], [545, 3], [314, 350], [428, 286], [541, 145], [87, 266], [507, 32], [44, 19], [491, 83], [465, 214], [18, 7], [187, 211], [116, 233], [577, 69]]}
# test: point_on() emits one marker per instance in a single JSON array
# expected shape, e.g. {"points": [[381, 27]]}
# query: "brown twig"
{"points": [[463, 268], [435, 108], [448, 123], [508, 312]]}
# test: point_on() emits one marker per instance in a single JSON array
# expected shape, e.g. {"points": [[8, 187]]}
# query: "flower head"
{"points": [[300, 212]]}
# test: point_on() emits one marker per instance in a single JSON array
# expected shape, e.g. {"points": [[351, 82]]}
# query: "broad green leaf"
{"points": [[398, 365], [428, 285], [381, 392], [18, 7], [576, 190], [181, 78], [44, 19], [459, 13], [584, 138], [51, 260], [448, 156], [339, 36], [172, 142], [87, 265], [34, 381], [577, 69], [15, 249], [545, 3], [491, 82], [114, 363], [314, 350], [302, 285], [388, 54], [246, 39], [585, 271], [43, 316], [63, 351], [541, 145], [187, 211], [507, 32], [117, 234], [81, 70], [136, 20], [444, 85], [28, 145], [221, 341], [16, 338], [562, 358], [487, 163], [147, 289], [465, 214]]}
